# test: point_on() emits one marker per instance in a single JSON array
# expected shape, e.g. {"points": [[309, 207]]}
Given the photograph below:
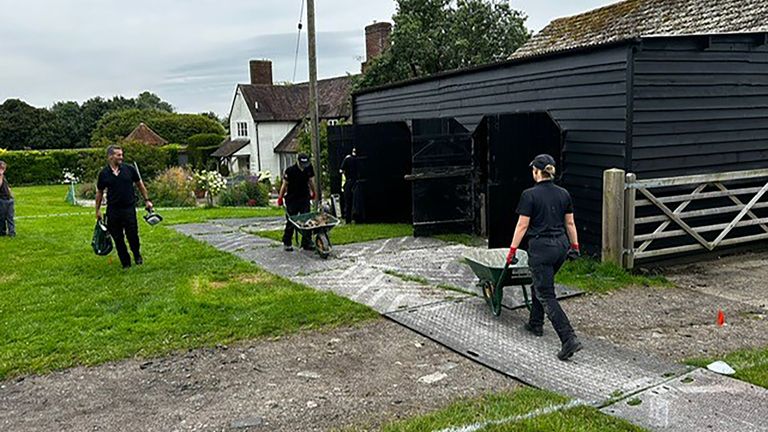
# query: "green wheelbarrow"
{"points": [[316, 225], [490, 266]]}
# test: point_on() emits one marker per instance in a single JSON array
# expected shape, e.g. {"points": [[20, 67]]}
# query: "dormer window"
{"points": [[242, 129]]}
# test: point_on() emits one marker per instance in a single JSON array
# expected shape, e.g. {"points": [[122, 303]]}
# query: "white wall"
{"points": [[241, 113], [270, 135]]}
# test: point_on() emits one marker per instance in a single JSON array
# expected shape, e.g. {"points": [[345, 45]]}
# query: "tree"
{"points": [[19, 123], [151, 101], [432, 36], [176, 128]]}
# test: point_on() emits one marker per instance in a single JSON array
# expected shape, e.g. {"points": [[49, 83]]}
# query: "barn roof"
{"points": [[291, 102], [144, 134], [631, 19]]}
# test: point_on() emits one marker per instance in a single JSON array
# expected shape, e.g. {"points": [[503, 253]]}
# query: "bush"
{"points": [[35, 167], [247, 192], [174, 187], [86, 190], [199, 149]]}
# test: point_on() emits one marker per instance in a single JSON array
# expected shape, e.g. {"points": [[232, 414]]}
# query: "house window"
{"points": [[242, 129]]}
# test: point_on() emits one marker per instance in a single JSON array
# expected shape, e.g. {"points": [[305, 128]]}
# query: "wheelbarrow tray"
{"points": [[299, 220], [488, 265]]}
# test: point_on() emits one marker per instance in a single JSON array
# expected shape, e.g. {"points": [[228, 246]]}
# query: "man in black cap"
{"points": [[297, 190], [118, 180], [546, 217]]}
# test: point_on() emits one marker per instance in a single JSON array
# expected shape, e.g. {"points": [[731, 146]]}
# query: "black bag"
{"points": [[102, 241]]}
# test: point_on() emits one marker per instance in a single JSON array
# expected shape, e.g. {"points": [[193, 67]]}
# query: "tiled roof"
{"points": [[290, 144], [291, 102], [230, 147], [636, 18], [144, 134]]}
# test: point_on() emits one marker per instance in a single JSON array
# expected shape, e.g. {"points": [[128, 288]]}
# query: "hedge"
{"points": [[36, 167]]}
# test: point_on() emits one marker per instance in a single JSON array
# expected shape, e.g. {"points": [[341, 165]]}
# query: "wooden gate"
{"points": [[667, 216]]}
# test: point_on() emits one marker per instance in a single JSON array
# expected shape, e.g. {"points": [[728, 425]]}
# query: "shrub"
{"points": [[86, 190], [177, 128], [246, 192], [174, 187]]}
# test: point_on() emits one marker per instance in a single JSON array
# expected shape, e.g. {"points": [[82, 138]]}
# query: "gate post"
{"points": [[629, 223], [613, 215]]}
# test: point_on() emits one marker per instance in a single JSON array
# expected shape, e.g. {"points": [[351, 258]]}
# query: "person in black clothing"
{"points": [[297, 190], [118, 180], [546, 217], [7, 212], [349, 168]]}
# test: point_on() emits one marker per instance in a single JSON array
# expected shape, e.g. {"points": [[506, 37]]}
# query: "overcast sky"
{"points": [[190, 52]]}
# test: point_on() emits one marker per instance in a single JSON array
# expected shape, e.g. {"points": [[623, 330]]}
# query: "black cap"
{"points": [[541, 161], [303, 160]]}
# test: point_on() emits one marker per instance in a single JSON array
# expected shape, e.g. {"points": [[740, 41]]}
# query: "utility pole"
{"points": [[315, 131]]}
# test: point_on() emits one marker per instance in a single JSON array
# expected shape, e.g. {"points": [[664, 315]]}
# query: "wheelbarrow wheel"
{"points": [[487, 288], [323, 245]]}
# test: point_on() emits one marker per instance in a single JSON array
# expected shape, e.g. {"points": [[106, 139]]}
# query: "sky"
{"points": [[192, 53]]}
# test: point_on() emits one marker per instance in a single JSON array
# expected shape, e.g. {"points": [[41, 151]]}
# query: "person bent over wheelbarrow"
{"points": [[297, 190], [546, 216]]}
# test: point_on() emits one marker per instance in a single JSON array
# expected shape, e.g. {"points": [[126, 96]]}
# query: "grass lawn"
{"points": [[346, 234], [507, 408], [61, 305], [593, 276], [750, 365]]}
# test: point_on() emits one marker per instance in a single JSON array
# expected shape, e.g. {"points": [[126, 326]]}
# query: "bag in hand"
{"points": [[102, 241]]}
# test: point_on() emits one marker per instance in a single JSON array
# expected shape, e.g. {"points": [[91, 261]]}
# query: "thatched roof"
{"points": [[145, 135]]}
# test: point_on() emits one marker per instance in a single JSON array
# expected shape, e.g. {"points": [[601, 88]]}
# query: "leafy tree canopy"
{"points": [[431, 36], [176, 128]]}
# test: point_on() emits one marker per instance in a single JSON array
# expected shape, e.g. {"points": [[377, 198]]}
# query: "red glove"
{"points": [[312, 195], [511, 259], [575, 246], [280, 201]]}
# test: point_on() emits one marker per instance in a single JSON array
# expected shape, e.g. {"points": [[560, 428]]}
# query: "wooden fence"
{"points": [[723, 214]]}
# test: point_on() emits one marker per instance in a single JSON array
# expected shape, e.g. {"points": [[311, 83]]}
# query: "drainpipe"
{"points": [[258, 149]]}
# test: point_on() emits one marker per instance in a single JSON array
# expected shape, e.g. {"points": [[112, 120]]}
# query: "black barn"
{"points": [[691, 97]]}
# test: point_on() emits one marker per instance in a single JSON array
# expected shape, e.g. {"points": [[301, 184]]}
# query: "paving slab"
{"points": [[698, 401], [597, 374]]}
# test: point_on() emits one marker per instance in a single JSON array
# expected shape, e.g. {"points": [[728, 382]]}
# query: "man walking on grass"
{"points": [[7, 225], [117, 180]]}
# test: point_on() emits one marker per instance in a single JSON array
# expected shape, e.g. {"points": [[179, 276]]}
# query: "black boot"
{"points": [[570, 347], [535, 330]]}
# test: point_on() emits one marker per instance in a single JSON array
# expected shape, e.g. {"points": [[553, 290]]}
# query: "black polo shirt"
{"points": [[298, 183], [546, 204], [120, 192]]}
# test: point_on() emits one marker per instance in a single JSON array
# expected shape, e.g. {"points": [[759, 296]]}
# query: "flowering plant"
{"points": [[210, 181], [69, 177]]}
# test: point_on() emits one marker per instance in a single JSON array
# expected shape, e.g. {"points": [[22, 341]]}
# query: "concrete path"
{"points": [[421, 284]]}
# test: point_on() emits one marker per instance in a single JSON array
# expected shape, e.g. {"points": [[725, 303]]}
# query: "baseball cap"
{"points": [[541, 161], [303, 160]]}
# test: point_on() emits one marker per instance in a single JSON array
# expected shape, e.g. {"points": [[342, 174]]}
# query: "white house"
{"points": [[266, 118]]}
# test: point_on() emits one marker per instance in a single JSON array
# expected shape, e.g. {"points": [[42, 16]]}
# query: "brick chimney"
{"points": [[376, 40], [261, 72]]}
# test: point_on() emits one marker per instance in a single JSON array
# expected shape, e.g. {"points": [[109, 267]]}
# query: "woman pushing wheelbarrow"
{"points": [[546, 217]]}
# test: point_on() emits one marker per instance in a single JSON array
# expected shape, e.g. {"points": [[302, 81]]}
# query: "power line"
{"points": [[298, 42]]}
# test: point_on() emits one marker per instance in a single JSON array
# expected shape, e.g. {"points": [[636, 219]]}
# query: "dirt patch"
{"points": [[679, 323], [353, 377], [256, 278]]}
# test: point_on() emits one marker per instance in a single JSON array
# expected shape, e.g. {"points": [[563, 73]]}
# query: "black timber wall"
{"points": [[585, 92], [700, 105]]}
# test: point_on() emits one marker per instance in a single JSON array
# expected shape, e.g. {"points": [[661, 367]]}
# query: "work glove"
{"points": [[511, 256], [280, 201], [573, 252], [312, 195]]}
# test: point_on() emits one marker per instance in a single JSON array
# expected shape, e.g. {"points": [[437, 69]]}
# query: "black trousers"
{"points": [[293, 209], [349, 200], [545, 256], [122, 224]]}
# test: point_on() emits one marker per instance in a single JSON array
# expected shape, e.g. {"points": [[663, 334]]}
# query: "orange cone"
{"points": [[720, 318]]}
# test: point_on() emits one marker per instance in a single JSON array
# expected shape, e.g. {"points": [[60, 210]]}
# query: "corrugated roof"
{"points": [[291, 102], [290, 144], [637, 18], [144, 134], [230, 147]]}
